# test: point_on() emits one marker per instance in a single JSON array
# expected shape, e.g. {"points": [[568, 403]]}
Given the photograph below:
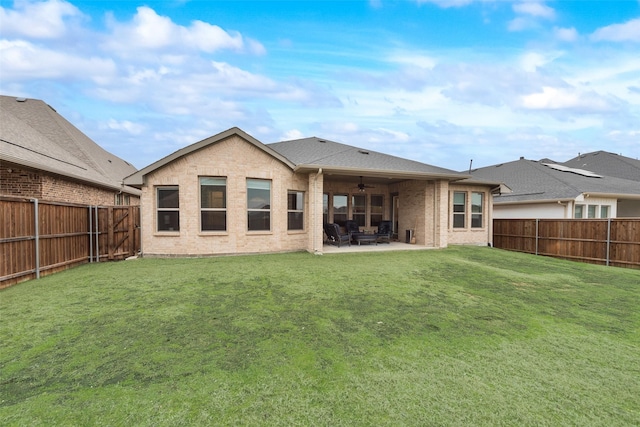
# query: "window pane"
{"points": [[259, 220], [359, 209], [168, 198], [214, 220], [295, 220], [168, 221], [591, 211], [295, 201], [459, 198], [578, 213], [325, 208], [458, 221], [213, 193], [340, 208], [377, 203], [604, 211], [476, 202], [258, 194]]}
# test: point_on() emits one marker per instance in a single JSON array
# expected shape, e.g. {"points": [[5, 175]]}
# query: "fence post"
{"points": [[90, 234], [608, 239], [36, 224], [97, 237], [537, 234]]}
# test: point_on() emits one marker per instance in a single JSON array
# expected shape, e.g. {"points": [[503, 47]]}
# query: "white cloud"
{"points": [[629, 31], [150, 31], [532, 61], [37, 20], [292, 134], [123, 125], [566, 34], [567, 99], [22, 60], [535, 9]]}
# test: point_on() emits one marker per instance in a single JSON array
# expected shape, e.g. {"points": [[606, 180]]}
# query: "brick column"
{"points": [[316, 187]]}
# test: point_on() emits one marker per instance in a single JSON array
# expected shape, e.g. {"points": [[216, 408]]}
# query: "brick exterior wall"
{"points": [[423, 205], [15, 181], [468, 235], [27, 183], [236, 160]]}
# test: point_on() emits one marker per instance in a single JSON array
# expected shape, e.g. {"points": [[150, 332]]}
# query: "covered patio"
{"points": [[380, 247]]}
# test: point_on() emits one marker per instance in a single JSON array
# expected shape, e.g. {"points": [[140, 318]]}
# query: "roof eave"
{"points": [[378, 173], [53, 170]]}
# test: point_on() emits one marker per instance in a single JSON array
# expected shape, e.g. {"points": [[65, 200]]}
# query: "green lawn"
{"points": [[462, 336]]}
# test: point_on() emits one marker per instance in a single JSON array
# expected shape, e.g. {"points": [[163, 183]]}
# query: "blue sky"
{"points": [[438, 81]]}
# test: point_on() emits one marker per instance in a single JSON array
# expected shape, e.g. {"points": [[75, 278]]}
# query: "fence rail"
{"points": [[611, 241], [39, 238]]}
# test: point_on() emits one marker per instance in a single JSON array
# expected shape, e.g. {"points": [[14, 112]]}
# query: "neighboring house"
{"points": [[609, 164], [231, 194], [546, 189], [43, 156]]}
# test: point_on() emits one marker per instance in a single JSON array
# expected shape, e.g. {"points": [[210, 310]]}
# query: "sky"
{"points": [[451, 83]]}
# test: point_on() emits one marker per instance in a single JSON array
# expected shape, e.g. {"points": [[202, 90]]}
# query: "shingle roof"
{"points": [[318, 152], [531, 180], [609, 164], [34, 135]]}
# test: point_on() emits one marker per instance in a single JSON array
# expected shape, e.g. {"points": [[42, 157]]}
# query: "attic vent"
{"points": [[563, 168], [21, 99], [363, 152], [322, 141]]}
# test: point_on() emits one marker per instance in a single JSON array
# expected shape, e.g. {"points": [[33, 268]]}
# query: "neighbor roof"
{"points": [[34, 135], [537, 181], [609, 164]]}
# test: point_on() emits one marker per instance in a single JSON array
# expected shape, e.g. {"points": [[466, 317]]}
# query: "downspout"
{"points": [[315, 211]]}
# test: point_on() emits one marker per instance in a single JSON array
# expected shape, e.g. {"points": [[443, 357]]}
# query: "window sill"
{"points": [[213, 233], [259, 232], [167, 233], [296, 231]]}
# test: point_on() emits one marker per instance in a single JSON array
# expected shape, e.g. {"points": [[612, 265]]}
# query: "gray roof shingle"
{"points": [[33, 134], [329, 154], [531, 180], [610, 164]]}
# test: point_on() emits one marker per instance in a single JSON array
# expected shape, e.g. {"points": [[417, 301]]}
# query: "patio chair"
{"points": [[353, 229], [385, 232], [335, 237]]}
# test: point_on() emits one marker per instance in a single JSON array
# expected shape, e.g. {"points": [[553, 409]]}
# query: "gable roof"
{"points": [[137, 178], [311, 154], [34, 135], [537, 181], [610, 164]]}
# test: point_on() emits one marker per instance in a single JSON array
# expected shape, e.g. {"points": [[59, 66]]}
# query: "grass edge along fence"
{"points": [[39, 238], [607, 241]]}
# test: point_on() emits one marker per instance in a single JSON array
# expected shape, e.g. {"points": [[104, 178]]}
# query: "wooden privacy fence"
{"points": [[38, 238], [611, 241]]}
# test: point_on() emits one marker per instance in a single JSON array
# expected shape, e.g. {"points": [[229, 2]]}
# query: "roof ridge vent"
{"points": [[21, 99], [363, 152]]}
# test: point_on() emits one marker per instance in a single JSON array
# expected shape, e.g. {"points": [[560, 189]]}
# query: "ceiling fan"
{"points": [[362, 186]]}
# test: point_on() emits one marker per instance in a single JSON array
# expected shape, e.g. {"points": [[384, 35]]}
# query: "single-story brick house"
{"points": [[231, 194], [43, 156]]}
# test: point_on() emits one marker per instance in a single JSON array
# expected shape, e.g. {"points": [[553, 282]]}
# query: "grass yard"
{"points": [[462, 336]]}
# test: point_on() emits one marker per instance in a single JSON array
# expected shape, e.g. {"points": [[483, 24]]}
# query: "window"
{"points": [[604, 211], [325, 208], [340, 208], [122, 199], [477, 201], [459, 209], [377, 203], [578, 211], [295, 210], [591, 211], [359, 209], [168, 202], [258, 204], [213, 204]]}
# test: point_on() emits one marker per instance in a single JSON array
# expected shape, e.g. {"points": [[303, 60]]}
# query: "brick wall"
{"points": [[15, 181], [469, 235], [236, 160], [27, 183]]}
